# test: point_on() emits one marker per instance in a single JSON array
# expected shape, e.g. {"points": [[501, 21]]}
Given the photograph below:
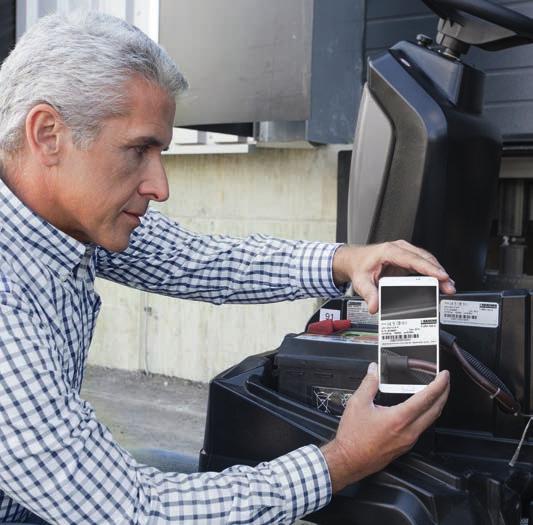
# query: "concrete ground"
{"points": [[148, 410]]}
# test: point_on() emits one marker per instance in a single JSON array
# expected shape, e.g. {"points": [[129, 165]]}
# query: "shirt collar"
{"points": [[51, 246]]}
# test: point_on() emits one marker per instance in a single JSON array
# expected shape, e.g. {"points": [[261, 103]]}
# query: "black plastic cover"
{"points": [[459, 472]]}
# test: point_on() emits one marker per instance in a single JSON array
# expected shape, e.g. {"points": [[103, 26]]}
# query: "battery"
{"points": [[323, 370], [493, 326]]}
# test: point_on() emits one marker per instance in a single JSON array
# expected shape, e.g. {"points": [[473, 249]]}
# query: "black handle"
{"points": [[496, 14]]}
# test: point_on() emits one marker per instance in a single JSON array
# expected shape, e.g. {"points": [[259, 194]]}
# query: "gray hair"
{"points": [[79, 64]]}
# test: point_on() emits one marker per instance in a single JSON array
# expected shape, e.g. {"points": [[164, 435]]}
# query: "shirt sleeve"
{"points": [[58, 461], [165, 258]]}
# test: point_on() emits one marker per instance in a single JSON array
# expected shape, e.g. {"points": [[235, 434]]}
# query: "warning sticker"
{"points": [[331, 400], [328, 314], [408, 332], [357, 313], [469, 313]]}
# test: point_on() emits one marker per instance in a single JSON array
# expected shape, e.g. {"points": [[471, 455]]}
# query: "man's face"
{"points": [[101, 193]]}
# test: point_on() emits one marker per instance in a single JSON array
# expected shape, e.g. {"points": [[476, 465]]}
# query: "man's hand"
{"points": [[371, 436], [364, 265]]}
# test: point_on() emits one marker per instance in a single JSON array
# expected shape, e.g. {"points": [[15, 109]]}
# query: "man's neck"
{"points": [[27, 184], [35, 189]]}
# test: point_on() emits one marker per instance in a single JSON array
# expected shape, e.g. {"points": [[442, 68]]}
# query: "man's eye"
{"points": [[141, 150]]}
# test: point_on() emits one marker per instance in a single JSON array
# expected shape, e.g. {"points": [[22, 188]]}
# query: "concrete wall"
{"points": [[284, 192]]}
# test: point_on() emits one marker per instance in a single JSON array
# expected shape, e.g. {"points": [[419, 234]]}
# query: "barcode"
{"points": [[398, 337], [461, 316]]}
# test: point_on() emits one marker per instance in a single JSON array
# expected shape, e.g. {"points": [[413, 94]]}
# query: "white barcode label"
{"points": [[408, 332], [328, 314], [400, 337], [469, 313], [357, 313]]}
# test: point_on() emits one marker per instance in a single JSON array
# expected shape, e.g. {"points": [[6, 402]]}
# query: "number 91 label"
{"points": [[327, 314]]}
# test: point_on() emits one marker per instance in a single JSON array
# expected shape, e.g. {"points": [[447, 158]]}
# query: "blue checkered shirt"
{"points": [[56, 458]]}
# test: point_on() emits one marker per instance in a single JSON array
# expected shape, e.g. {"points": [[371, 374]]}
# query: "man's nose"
{"points": [[155, 184]]}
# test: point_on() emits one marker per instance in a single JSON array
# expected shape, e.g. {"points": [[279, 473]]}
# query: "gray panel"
{"points": [[381, 34], [509, 86], [388, 21], [372, 150], [337, 66], [381, 9], [281, 131], [246, 60]]}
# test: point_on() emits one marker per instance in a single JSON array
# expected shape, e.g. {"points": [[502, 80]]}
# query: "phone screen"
{"points": [[408, 337]]}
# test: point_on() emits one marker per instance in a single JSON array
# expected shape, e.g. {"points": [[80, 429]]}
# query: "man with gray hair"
{"points": [[86, 108]]}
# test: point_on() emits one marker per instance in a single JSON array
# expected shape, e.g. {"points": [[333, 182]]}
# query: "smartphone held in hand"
{"points": [[408, 356]]}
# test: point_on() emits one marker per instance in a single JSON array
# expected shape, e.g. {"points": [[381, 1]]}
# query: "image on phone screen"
{"points": [[408, 338]]}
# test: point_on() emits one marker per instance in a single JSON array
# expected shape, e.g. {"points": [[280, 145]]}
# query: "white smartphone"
{"points": [[408, 356]]}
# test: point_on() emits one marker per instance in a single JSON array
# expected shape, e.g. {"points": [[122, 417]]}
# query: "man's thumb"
{"points": [[370, 384], [368, 291]]}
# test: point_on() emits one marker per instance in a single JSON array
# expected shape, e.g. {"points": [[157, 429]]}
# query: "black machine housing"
{"points": [[424, 168], [422, 136]]}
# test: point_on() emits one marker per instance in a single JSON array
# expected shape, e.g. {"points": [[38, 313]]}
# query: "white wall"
{"points": [[288, 193]]}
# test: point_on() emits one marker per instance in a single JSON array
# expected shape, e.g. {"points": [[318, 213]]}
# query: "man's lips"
{"points": [[136, 216]]}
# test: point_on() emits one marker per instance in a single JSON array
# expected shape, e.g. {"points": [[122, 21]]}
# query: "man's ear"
{"points": [[45, 133]]}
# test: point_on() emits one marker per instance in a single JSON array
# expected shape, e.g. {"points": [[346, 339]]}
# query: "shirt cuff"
{"points": [[304, 475], [312, 269]]}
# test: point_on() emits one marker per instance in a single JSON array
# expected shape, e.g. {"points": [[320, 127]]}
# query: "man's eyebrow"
{"points": [[148, 140]]}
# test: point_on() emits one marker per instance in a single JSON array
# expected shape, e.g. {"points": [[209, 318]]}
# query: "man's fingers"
{"points": [[423, 401], [428, 417], [368, 291], [392, 257], [414, 262], [417, 251], [446, 284], [447, 287], [369, 385]]}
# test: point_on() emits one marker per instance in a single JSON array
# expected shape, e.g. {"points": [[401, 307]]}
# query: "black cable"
{"points": [[483, 376]]}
